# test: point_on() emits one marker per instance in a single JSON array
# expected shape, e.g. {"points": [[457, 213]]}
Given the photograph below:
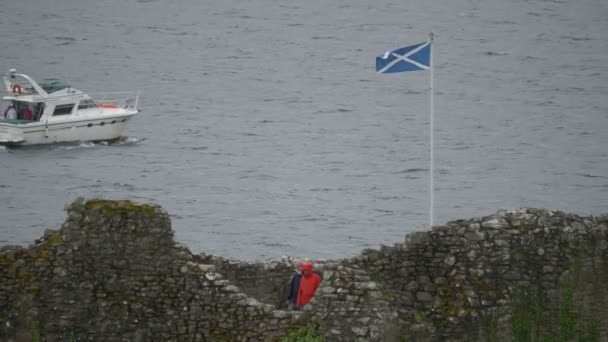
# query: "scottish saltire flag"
{"points": [[409, 58]]}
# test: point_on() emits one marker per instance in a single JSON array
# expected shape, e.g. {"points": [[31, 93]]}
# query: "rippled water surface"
{"points": [[265, 130]]}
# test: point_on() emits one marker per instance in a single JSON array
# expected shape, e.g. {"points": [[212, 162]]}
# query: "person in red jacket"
{"points": [[26, 114], [309, 283]]}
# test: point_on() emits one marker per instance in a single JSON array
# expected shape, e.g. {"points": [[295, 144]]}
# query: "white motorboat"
{"points": [[51, 111]]}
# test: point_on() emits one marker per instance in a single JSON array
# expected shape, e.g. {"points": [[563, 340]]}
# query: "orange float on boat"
{"points": [[107, 105], [16, 89]]}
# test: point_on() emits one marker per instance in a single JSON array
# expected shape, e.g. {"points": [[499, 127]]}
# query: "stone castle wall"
{"points": [[451, 281], [114, 273]]}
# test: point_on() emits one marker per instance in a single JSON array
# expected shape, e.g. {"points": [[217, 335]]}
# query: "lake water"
{"points": [[265, 130]]}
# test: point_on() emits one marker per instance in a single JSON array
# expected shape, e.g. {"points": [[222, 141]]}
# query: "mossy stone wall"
{"points": [[113, 272]]}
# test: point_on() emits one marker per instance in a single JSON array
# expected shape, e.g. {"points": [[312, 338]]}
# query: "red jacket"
{"points": [[27, 115], [308, 285]]}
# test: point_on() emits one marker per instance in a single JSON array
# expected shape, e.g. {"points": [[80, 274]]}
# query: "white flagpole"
{"points": [[432, 115]]}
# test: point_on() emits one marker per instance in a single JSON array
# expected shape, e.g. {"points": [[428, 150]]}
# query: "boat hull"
{"points": [[38, 133]]}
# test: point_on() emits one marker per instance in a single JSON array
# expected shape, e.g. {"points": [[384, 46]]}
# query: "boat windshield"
{"points": [[51, 85], [21, 110]]}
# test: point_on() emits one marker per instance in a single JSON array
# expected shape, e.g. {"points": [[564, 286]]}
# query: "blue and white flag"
{"points": [[409, 58]]}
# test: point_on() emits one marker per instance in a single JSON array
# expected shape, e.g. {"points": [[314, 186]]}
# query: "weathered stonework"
{"points": [[114, 273]]}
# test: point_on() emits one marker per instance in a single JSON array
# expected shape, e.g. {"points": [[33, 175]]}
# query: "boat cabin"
{"points": [[50, 100], [52, 111]]}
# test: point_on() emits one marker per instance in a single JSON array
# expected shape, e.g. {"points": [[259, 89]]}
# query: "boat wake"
{"points": [[123, 141], [127, 141], [80, 145]]}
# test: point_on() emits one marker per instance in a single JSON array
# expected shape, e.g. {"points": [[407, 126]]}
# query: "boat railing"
{"points": [[122, 99]]}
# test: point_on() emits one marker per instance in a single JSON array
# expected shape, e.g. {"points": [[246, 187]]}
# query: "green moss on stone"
{"points": [[308, 332], [118, 208], [420, 317], [33, 288], [24, 281], [451, 304], [42, 249], [224, 336], [55, 239], [4, 262], [24, 278], [524, 226]]}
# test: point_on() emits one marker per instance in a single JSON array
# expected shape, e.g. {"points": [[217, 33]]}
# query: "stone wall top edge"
{"points": [[82, 205]]}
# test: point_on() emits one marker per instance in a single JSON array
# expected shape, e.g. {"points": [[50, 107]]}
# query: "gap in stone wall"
{"points": [[267, 282]]}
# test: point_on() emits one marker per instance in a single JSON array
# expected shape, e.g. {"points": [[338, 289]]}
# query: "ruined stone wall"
{"points": [[113, 272], [455, 280], [451, 281], [347, 307], [268, 282]]}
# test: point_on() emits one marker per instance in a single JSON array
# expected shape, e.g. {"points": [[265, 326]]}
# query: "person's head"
{"points": [[307, 268], [299, 266]]}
